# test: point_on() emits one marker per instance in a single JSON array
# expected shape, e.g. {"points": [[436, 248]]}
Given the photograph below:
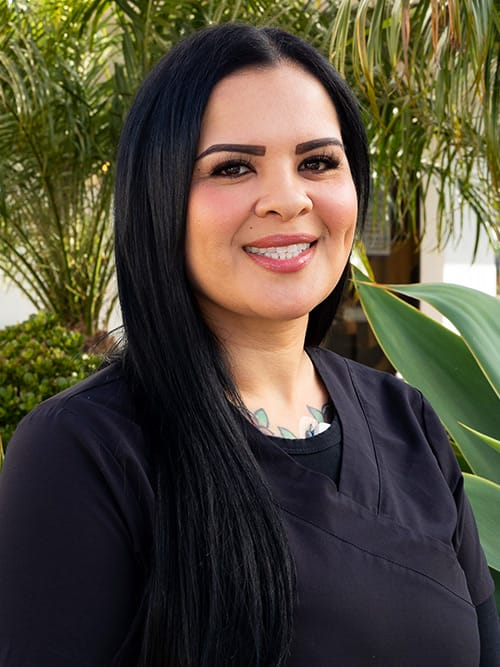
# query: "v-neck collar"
{"points": [[305, 491]]}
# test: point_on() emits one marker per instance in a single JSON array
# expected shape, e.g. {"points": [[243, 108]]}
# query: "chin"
{"points": [[289, 314]]}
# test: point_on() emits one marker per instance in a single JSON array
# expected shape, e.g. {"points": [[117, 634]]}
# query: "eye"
{"points": [[319, 163], [232, 168]]}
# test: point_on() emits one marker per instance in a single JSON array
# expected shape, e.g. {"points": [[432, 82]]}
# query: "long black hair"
{"points": [[220, 587]]}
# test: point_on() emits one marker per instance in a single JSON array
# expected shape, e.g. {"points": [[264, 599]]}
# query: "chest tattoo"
{"points": [[308, 424]]}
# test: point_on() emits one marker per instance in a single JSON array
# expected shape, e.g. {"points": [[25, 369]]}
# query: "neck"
{"points": [[266, 358], [275, 378], [269, 368]]}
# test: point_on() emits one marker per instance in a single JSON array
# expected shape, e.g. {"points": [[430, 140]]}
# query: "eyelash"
{"points": [[329, 161], [228, 164]]}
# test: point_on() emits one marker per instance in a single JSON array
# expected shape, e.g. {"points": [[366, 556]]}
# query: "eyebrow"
{"points": [[261, 150], [317, 143], [233, 148]]}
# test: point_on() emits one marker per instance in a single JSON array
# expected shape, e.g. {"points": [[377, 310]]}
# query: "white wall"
{"points": [[454, 264], [14, 306], [480, 275]]}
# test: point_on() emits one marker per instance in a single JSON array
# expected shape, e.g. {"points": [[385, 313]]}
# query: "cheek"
{"points": [[213, 214], [212, 222], [339, 211]]}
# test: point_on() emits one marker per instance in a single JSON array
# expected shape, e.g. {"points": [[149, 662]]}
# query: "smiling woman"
{"points": [[224, 493]]}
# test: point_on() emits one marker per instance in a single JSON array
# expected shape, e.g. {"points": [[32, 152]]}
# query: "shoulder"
{"points": [[103, 396], [95, 419], [368, 382], [104, 389], [392, 408]]}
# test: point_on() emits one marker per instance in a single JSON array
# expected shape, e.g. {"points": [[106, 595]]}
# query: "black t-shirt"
{"points": [[321, 452]]}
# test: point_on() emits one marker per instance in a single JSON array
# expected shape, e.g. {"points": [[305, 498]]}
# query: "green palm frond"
{"points": [[56, 144], [427, 74]]}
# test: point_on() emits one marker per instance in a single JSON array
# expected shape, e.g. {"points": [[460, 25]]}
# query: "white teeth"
{"points": [[280, 252]]}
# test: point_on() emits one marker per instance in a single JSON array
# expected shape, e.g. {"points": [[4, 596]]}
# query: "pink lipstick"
{"points": [[283, 253]]}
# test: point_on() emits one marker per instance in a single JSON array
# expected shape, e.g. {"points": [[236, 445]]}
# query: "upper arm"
{"points": [[69, 574]]}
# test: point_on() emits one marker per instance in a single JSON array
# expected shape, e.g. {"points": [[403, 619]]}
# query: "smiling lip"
{"points": [[280, 240], [286, 253]]}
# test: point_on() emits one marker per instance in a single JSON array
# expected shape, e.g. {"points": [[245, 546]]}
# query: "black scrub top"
{"points": [[389, 567]]}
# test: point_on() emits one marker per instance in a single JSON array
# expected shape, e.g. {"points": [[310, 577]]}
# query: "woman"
{"points": [[151, 515]]}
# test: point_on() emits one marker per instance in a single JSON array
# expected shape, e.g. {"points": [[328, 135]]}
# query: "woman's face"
{"points": [[272, 207]]}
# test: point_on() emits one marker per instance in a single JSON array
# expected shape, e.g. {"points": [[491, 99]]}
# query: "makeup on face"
{"points": [[272, 207]]}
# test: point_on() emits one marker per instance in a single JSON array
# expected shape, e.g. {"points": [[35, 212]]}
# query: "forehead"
{"points": [[281, 102]]}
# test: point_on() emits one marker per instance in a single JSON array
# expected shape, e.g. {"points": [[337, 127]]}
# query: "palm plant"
{"points": [[57, 137], [150, 27], [426, 74]]}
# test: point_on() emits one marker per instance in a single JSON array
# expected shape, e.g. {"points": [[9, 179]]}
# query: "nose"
{"points": [[284, 197]]}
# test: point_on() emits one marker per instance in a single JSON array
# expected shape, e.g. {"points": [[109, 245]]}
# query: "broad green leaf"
{"points": [[360, 259], [492, 442], [438, 362], [484, 497], [496, 578], [476, 316]]}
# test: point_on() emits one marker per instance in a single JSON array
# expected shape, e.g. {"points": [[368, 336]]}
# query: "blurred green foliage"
{"points": [[38, 358], [426, 74]]}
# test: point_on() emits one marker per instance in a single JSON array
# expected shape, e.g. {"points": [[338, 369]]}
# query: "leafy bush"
{"points": [[38, 358]]}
